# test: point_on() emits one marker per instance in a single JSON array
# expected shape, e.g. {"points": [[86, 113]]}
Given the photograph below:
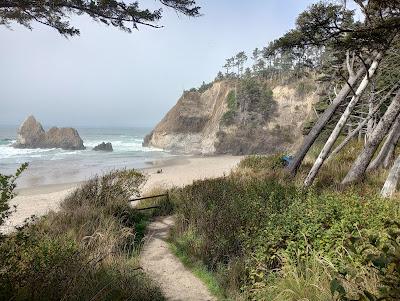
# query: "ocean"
{"points": [[57, 166]]}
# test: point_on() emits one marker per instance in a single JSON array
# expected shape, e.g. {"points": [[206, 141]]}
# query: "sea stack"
{"points": [[32, 135], [105, 147]]}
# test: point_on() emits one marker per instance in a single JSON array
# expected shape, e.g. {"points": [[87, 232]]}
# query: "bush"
{"points": [[7, 186], [85, 251], [264, 224]]}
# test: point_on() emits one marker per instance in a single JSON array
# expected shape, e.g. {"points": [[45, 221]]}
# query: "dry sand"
{"points": [[156, 259], [175, 172], [176, 282]]}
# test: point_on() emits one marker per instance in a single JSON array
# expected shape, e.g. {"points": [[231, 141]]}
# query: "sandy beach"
{"points": [[177, 171]]}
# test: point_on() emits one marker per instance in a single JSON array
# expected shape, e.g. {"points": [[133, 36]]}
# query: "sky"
{"points": [[109, 78]]}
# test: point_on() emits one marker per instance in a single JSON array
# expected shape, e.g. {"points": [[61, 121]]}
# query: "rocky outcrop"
{"points": [[191, 126], [32, 135], [202, 123], [105, 147]]}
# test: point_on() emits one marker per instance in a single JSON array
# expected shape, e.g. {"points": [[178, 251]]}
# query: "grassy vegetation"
{"points": [[199, 270], [253, 235], [263, 237], [86, 251]]}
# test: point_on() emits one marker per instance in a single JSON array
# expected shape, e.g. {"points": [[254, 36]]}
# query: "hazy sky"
{"points": [[106, 77]]}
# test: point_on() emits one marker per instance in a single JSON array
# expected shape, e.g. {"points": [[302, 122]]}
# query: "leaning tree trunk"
{"points": [[324, 119], [360, 164], [378, 161], [391, 182], [364, 122], [371, 121], [390, 155], [342, 122]]}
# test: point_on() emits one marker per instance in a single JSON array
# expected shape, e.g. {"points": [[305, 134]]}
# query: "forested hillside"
{"points": [[323, 224], [342, 78]]}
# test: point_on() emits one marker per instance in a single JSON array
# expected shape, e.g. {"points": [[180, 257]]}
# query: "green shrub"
{"points": [[381, 254], [231, 100], [204, 87], [258, 218], [85, 251], [7, 186]]}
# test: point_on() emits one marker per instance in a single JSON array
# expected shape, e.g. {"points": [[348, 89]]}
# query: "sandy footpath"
{"points": [[175, 281], [175, 172]]}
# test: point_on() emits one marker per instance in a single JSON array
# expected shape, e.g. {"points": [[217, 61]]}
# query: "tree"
{"points": [[56, 13], [332, 26], [323, 120], [220, 76], [7, 186], [342, 121], [360, 165], [240, 59], [388, 147], [391, 182]]}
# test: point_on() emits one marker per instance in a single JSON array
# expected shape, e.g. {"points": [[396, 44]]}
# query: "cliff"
{"points": [[236, 118]]}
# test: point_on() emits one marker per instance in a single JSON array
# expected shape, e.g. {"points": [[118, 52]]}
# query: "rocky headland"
{"points": [[227, 117], [32, 135]]}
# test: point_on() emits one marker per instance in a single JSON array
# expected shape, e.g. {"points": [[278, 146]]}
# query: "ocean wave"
{"points": [[125, 145], [6, 141]]}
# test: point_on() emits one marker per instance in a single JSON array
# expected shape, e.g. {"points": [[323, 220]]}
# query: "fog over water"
{"points": [[106, 77]]}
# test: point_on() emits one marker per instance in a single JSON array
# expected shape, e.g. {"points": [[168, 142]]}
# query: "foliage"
{"points": [[84, 251], [381, 254], [229, 115], [255, 96], [204, 87], [121, 14], [304, 87], [7, 193], [271, 238]]}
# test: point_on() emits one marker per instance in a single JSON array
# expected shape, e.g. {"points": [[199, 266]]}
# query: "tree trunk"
{"points": [[378, 161], [323, 120], [391, 182], [361, 125], [342, 122], [360, 164], [371, 121], [390, 155]]}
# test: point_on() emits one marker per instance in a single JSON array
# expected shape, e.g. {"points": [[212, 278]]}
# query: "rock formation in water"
{"points": [[105, 147], [226, 119], [32, 135]]}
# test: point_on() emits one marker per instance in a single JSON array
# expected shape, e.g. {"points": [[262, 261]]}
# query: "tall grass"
{"points": [[85, 251], [266, 238]]}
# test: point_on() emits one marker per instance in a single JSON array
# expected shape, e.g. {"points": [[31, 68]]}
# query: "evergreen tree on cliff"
{"points": [[331, 26], [124, 15]]}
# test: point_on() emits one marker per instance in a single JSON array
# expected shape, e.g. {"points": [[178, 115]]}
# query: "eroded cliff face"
{"points": [[197, 123]]}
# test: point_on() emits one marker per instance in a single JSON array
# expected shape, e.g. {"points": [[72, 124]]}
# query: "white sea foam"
{"points": [[52, 166]]}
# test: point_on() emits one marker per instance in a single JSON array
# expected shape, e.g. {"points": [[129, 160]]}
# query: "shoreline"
{"points": [[177, 171]]}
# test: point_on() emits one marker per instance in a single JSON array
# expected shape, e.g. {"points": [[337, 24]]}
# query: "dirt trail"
{"points": [[176, 282]]}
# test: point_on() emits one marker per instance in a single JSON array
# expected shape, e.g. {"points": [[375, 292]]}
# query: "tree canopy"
{"points": [[124, 15]]}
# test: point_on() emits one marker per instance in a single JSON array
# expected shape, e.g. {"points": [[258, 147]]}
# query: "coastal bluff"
{"points": [[226, 119], [32, 135]]}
